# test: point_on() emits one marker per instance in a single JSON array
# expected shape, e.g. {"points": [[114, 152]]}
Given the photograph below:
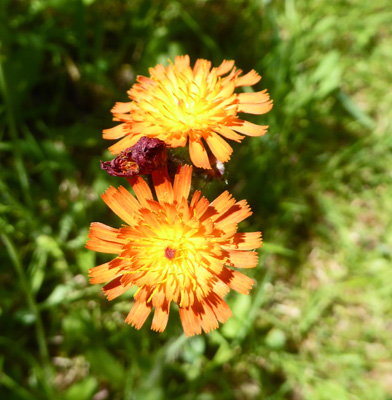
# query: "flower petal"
{"points": [[190, 321], [249, 129], [236, 280], [104, 239], [163, 186], [249, 79], [182, 62], [219, 307], [120, 204], [254, 97], [219, 147], [121, 108], [161, 317], [182, 182], [252, 108], [115, 288], [141, 189], [198, 154], [237, 213], [219, 206], [116, 132], [225, 67], [103, 273], [243, 259], [138, 314], [128, 141], [244, 241], [228, 133]]}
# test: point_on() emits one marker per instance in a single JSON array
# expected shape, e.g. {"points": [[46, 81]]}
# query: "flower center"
{"points": [[170, 253]]}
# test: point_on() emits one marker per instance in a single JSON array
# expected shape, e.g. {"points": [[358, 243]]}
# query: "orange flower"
{"points": [[178, 102], [174, 251]]}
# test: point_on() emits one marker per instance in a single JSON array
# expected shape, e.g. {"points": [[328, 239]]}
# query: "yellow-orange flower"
{"points": [[174, 251], [177, 102]]}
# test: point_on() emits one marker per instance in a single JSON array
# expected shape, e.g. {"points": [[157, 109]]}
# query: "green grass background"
{"points": [[317, 325]]}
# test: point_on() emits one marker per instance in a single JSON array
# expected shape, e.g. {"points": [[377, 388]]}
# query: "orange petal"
{"points": [[124, 143], [243, 259], [225, 67], [208, 318], [115, 288], [150, 219], [220, 288], [195, 199], [116, 132], [255, 97], [252, 108], [228, 133], [103, 273], [182, 182], [190, 321], [163, 186], [104, 232], [103, 238], [219, 307], [201, 207], [219, 206], [234, 215], [161, 316], [226, 93], [219, 147], [249, 129], [138, 314], [121, 108], [198, 154], [174, 141], [187, 297], [182, 62], [249, 79], [142, 190], [143, 294], [128, 200], [201, 66], [144, 80], [159, 297], [236, 281], [119, 204], [245, 241]]}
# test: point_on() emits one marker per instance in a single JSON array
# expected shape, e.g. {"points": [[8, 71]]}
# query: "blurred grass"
{"points": [[317, 325]]}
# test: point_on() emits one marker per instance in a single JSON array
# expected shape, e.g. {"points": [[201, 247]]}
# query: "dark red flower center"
{"points": [[170, 253]]}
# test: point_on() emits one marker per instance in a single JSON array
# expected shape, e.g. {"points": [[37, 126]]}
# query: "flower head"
{"points": [[144, 157], [174, 251], [179, 102]]}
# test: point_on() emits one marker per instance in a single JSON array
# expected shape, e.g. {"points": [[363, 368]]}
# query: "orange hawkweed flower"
{"points": [[177, 102], [174, 251]]}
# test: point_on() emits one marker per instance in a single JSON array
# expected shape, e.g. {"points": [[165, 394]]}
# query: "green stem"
{"points": [[39, 328]]}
